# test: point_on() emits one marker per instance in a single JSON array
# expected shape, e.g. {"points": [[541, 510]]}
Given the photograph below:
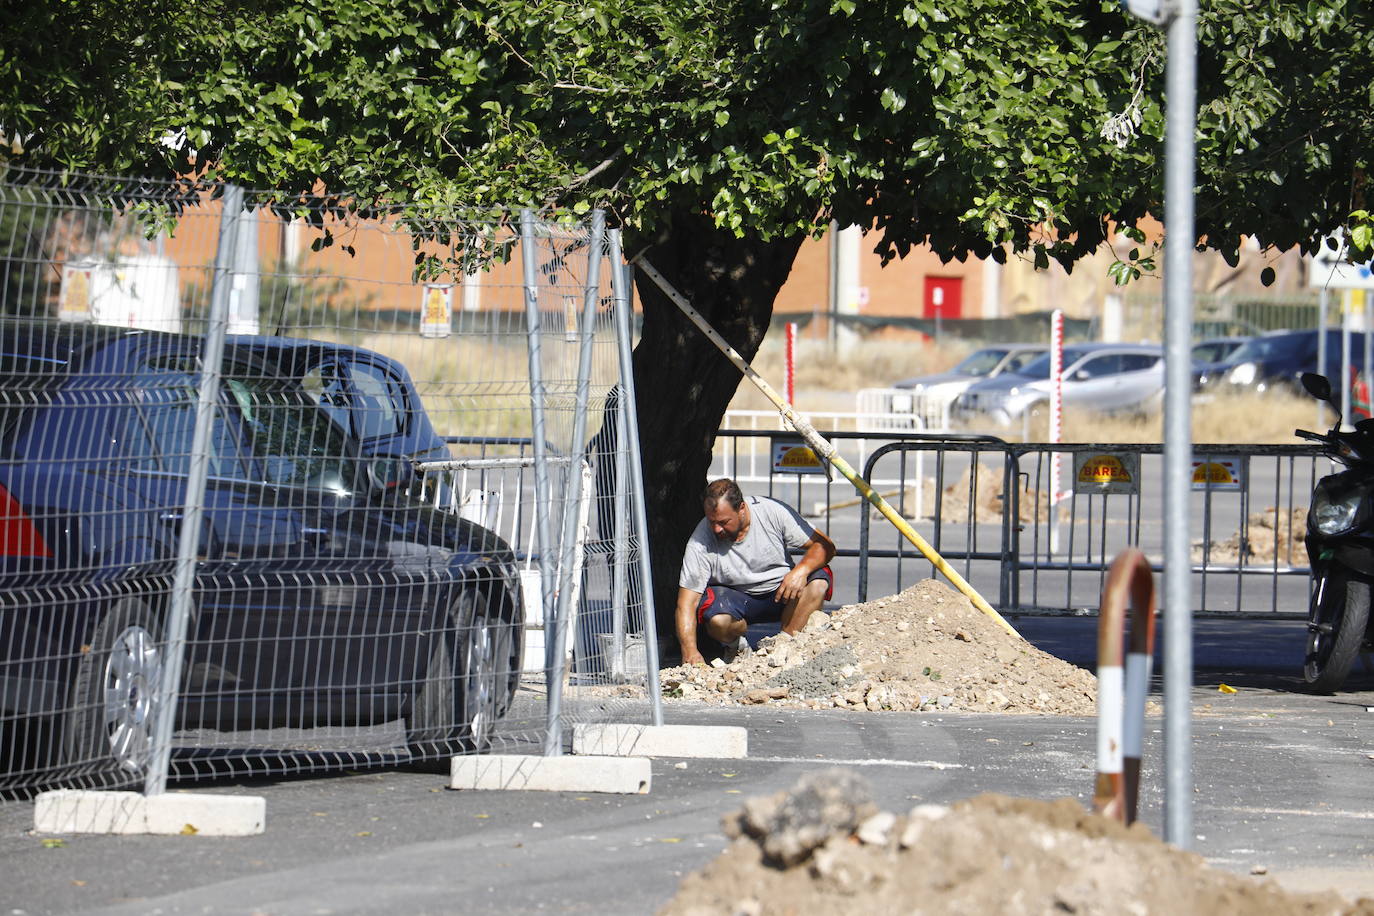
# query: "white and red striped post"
{"points": [[1121, 692], [1056, 430], [789, 377]]}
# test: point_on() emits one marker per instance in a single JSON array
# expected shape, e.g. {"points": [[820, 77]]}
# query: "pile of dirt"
{"points": [[1270, 536], [979, 499], [926, 648], [824, 847]]}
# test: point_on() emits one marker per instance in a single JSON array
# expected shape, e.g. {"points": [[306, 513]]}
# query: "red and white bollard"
{"points": [[1121, 691], [1056, 418]]}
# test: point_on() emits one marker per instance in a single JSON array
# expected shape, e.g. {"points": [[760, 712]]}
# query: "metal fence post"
{"points": [[547, 572], [620, 286], [572, 513], [193, 513], [1179, 156]]}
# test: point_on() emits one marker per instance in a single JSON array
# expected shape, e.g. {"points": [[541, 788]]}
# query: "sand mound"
{"points": [[1272, 536], [971, 499], [925, 648], [824, 847]]}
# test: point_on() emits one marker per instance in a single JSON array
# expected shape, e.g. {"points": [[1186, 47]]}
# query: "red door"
{"points": [[944, 297]]}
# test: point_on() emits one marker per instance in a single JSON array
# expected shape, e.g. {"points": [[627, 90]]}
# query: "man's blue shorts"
{"points": [[721, 599]]}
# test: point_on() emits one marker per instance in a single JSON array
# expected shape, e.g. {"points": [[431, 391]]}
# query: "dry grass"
{"points": [[826, 382], [1232, 419], [478, 386]]}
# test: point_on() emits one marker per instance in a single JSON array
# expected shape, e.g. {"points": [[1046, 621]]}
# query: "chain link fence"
{"points": [[295, 485]]}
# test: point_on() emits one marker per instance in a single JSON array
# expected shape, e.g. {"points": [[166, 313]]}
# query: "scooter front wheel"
{"points": [[1335, 629]]}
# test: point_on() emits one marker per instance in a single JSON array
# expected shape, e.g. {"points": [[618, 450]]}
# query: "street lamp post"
{"points": [[1179, 18]]}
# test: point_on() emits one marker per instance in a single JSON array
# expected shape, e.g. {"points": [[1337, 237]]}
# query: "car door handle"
{"points": [[173, 516]]}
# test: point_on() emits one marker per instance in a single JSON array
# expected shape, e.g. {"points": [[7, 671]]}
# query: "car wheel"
{"points": [[486, 672], [457, 704], [108, 732]]}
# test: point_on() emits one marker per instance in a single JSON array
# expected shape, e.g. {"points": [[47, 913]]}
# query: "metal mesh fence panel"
{"points": [[375, 576], [95, 452]]}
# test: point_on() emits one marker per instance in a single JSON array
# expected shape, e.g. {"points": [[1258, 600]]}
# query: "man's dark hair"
{"points": [[722, 488]]}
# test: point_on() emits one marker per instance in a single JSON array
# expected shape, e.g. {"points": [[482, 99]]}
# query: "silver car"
{"points": [[932, 395], [1102, 377]]}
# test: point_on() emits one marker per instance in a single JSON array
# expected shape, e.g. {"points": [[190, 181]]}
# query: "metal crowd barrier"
{"points": [[1032, 546]]}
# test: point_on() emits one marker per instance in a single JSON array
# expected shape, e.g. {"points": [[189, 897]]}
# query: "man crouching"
{"points": [[737, 571]]}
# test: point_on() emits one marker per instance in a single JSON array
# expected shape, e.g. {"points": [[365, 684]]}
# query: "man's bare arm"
{"points": [[819, 551], [686, 619]]}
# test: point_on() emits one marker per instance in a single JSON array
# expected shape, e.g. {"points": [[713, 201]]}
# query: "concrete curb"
{"points": [[616, 775], [80, 811], [620, 740]]}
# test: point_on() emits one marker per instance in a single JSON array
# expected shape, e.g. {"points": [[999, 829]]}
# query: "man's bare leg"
{"points": [[725, 629], [800, 609]]}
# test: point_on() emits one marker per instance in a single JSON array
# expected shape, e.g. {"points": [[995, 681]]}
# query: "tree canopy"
{"points": [[719, 133], [966, 127]]}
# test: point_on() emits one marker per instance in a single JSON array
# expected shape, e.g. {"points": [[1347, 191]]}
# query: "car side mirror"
{"points": [[389, 474], [1319, 386]]}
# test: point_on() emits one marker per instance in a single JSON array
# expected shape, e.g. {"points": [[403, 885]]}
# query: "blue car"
{"points": [[1277, 360], [323, 594]]}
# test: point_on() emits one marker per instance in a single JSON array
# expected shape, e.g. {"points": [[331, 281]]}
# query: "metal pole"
{"points": [[1368, 341], [193, 511], [1324, 304], [834, 251], [1181, 119], [572, 513], [553, 665], [620, 542], [620, 285], [1345, 359]]}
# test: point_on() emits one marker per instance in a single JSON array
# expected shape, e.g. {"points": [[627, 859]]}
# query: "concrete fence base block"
{"points": [[662, 740], [78, 811], [616, 775]]}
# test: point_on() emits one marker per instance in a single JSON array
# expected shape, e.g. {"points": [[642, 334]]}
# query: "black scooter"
{"points": [[1340, 549]]}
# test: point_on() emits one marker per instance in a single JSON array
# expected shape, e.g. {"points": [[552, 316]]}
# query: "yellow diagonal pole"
{"points": [[823, 447]]}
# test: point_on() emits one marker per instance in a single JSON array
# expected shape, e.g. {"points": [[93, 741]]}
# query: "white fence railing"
{"points": [[904, 409]]}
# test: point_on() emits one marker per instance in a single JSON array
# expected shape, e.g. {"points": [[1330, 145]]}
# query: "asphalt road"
{"points": [[1281, 777]]}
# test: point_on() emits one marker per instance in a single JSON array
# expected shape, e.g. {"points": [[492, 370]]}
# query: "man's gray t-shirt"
{"points": [[756, 564]]}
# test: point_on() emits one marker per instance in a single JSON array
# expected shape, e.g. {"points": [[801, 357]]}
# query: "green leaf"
{"points": [[1362, 236]]}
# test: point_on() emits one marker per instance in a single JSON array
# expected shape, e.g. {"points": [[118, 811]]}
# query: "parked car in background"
{"points": [[1098, 376], [932, 395], [1210, 356], [323, 595], [986, 362], [1276, 361]]}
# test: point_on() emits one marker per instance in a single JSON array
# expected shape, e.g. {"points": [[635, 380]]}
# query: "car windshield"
{"points": [[1041, 367], [1213, 351], [1259, 348], [293, 438], [980, 362]]}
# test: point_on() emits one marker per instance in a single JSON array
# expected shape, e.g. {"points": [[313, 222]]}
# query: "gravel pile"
{"points": [[824, 847], [926, 648]]}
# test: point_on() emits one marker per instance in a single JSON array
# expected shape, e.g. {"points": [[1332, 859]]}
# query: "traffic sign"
{"points": [[1330, 269]]}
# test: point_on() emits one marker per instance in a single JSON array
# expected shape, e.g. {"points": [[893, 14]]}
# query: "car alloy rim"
{"points": [[482, 679], [132, 680]]}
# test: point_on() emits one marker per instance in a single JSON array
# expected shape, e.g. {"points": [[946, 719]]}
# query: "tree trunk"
{"points": [[683, 383]]}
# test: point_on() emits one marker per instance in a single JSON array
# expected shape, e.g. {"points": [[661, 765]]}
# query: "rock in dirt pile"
{"points": [[825, 847], [926, 648]]}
